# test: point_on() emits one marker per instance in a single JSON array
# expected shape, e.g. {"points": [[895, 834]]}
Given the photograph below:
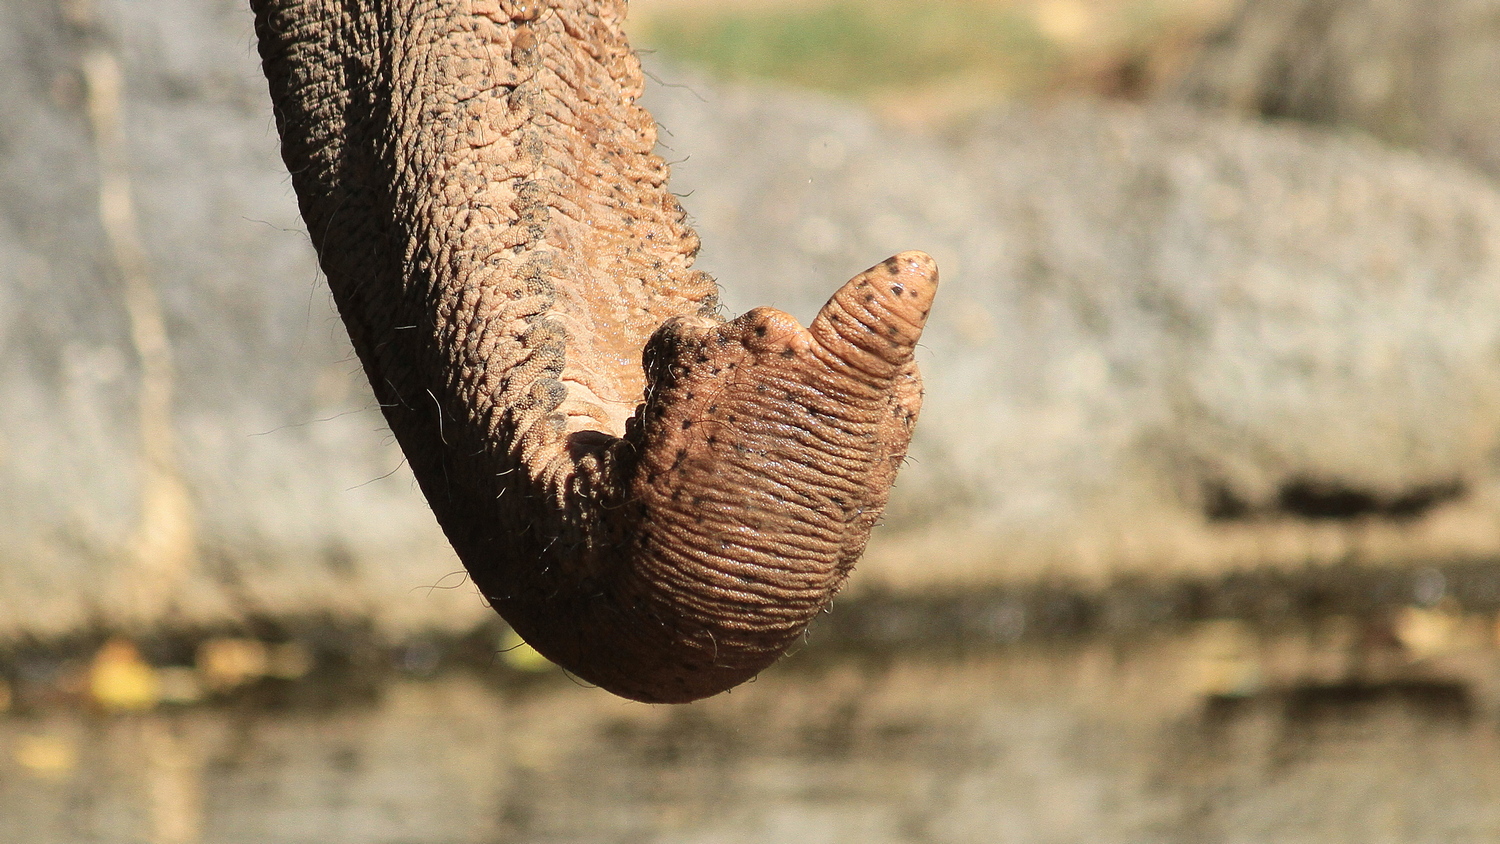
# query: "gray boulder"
{"points": [[1414, 74], [265, 485], [1164, 342]]}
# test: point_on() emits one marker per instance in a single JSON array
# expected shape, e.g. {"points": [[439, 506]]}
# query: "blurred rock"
{"points": [[120, 680], [1164, 343], [226, 663], [298, 501], [1416, 74], [46, 757]]}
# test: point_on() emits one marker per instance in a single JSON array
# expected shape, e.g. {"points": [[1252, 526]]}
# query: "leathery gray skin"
{"points": [[655, 498]]}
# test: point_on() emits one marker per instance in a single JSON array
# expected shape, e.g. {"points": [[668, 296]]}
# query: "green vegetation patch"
{"points": [[860, 49]]}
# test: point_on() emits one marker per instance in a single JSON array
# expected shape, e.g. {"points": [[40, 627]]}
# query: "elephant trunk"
{"points": [[656, 499]]}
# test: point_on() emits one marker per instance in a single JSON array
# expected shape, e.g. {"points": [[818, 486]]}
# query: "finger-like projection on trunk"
{"points": [[655, 498]]}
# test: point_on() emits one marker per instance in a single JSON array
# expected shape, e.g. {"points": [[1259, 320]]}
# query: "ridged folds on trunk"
{"points": [[656, 499]]}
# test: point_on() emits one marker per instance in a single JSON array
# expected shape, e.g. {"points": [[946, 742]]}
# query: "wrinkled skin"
{"points": [[654, 498]]}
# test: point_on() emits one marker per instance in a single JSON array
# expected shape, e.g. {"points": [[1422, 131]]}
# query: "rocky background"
{"points": [[185, 431], [1418, 75], [1249, 320]]}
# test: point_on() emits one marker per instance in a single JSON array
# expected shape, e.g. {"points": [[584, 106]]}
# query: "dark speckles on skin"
{"points": [[892, 266], [897, 289], [760, 331], [788, 352]]}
